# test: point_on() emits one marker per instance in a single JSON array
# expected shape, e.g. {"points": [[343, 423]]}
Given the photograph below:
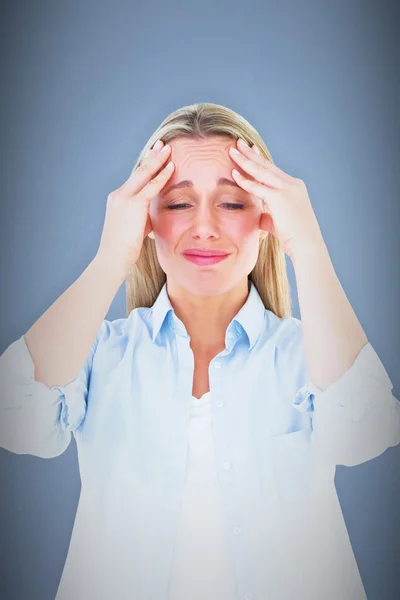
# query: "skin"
{"points": [[206, 298]]}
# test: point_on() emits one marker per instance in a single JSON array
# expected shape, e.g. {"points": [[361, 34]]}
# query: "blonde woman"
{"points": [[209, 421]]}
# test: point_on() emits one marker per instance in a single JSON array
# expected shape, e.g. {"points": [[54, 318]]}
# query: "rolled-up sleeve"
{"points": [[357, 417], [36, 419]]}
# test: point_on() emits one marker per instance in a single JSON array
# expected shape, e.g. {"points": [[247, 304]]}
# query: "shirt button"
{"points": [[217, 365], [230, 335], [237, 530], [219, 403], [226, 465]]}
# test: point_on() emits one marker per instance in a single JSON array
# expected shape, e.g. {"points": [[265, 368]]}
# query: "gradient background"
{"points": [[84, 84]]}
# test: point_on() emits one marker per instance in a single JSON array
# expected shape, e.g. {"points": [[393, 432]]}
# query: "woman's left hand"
{"points": [[289, 215]]}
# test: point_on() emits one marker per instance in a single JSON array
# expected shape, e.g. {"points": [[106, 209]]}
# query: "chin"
{"points": [[208, 285]]}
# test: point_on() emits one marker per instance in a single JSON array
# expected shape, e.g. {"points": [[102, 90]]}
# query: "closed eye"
{"points": [[230, 204]]}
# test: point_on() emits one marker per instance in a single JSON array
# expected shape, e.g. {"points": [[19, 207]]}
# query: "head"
{"points": [[207, 215], [202, 213]]}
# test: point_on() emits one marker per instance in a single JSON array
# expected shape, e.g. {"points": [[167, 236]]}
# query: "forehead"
{"points": [[204, 162], [189, 153]]}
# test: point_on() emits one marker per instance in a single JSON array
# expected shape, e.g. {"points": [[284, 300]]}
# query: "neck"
{"points": [[206, 318]]}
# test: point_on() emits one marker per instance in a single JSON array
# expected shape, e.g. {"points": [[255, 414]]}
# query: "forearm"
{"points": [[332, 334], [61, 338]]}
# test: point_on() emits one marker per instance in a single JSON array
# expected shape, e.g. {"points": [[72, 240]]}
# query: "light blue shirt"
{"points": [[282, 436]]}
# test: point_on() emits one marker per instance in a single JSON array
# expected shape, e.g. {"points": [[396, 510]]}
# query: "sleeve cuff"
{"points": [[354, 393], [21, 364], [19, 360]]}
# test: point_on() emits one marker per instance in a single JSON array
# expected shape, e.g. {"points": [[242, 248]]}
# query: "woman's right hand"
{"points": [[127, 221]]}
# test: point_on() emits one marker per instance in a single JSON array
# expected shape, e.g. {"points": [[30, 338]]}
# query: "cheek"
{"points": [[245, 228], [167, 229]]}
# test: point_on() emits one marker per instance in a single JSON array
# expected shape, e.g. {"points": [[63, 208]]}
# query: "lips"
{"points": [[208, 253], [205, 260]]}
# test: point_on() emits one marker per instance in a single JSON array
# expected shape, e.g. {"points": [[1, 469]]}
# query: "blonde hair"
{"points": [[146, 277]]}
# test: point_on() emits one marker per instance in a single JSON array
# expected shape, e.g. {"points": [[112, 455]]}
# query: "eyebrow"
{"points": [[187, 183]]}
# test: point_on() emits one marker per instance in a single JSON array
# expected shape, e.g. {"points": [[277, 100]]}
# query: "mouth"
{"points": [[205, 252], [197, 259]]}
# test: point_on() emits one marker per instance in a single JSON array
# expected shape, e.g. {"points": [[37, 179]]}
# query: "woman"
{"points": [[209, 421]]}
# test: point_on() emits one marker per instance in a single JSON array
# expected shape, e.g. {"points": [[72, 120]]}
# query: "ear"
{"points": [[151, 235]]}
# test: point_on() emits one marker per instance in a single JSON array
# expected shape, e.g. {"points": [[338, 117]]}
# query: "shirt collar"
{"points": [[251, 317]]}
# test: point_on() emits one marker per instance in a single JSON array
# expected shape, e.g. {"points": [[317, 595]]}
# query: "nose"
{"points": [[205, 222]]}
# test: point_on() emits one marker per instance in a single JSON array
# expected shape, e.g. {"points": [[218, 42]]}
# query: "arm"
{"points": [[44, 375], [43, 395], [75, 318], [332, 334], [355, 415]]}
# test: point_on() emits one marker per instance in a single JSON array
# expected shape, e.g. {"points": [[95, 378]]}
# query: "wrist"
{"points": [[111, 269], [309, 251]]}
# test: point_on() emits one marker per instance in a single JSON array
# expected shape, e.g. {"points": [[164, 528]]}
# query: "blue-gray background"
{"points": [[84, 84]]}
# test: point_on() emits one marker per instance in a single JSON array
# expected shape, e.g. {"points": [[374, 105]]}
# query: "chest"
{"points": [[201, 384]]}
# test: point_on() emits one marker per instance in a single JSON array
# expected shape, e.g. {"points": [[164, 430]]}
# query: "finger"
{"points": [[255, 154], [255, 167], [266, 194], [154, 187], [146, 171], [156, 147]]}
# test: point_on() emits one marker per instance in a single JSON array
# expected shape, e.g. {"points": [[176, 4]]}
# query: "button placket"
{"points": [[237, 530]]}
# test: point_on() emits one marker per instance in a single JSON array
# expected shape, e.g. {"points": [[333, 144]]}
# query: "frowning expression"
{"points": [[201, 206]]}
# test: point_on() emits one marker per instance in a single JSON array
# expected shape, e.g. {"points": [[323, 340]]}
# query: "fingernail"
{"points": [[243, 143], [157, 145]]}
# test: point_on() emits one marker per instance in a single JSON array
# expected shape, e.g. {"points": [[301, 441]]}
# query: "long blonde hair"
{"points": [[146, 277]]}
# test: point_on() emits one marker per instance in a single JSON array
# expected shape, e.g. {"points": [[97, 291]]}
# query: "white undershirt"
{"points": [[201, 565]]}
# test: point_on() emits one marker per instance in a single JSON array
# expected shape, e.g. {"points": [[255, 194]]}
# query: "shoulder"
{"points": [[120, 332], [288, 345], [286, 332]]}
